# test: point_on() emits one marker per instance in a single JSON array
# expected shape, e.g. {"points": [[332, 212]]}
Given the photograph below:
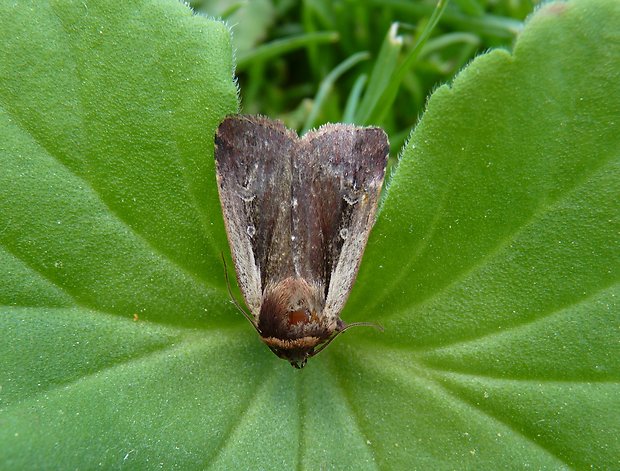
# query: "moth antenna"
{"points": [[363, 324], [232, 298], [346, 327]]}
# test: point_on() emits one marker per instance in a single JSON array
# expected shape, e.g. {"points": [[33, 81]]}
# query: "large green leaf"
{"points": [[493, 265]]}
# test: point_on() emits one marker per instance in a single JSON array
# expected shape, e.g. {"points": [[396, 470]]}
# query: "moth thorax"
{"points": [[289, 307]]}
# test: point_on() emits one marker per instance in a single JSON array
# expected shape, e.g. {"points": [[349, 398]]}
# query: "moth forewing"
{"points": [[298, 212], [248, 154], [355, 160]]}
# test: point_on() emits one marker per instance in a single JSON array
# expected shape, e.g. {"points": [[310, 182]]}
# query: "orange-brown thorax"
{"points": [[291, 320], [291, 309]]}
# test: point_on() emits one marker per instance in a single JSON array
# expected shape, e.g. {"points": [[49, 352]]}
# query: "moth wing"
{"points": [[339, 170], [253, 167]]}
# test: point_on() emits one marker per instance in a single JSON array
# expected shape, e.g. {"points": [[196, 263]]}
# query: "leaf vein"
{"points": [[196, 278], [501, 243]]}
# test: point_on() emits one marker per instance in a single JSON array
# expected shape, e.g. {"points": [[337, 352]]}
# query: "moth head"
{"points": [[296, 352]]}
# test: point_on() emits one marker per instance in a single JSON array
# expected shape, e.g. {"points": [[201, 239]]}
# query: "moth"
{"points": [[298, 212]]}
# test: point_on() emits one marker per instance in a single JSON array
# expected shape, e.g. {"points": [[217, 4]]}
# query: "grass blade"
{"points": [[354, 97], [282, 46], [382, 71], [389, 92], [327, 83]]}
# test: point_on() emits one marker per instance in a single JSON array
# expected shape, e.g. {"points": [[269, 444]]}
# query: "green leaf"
{"points": [[107, 198], [493, 265]]}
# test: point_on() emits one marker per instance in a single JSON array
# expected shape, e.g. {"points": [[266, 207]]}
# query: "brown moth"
{"points": [[298, 212]]}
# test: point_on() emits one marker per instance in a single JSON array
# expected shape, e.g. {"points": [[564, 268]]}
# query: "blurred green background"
{"points": [[369, 62]]}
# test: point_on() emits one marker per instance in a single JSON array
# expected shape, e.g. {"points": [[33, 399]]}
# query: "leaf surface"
{"points": [[493, 265]]}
